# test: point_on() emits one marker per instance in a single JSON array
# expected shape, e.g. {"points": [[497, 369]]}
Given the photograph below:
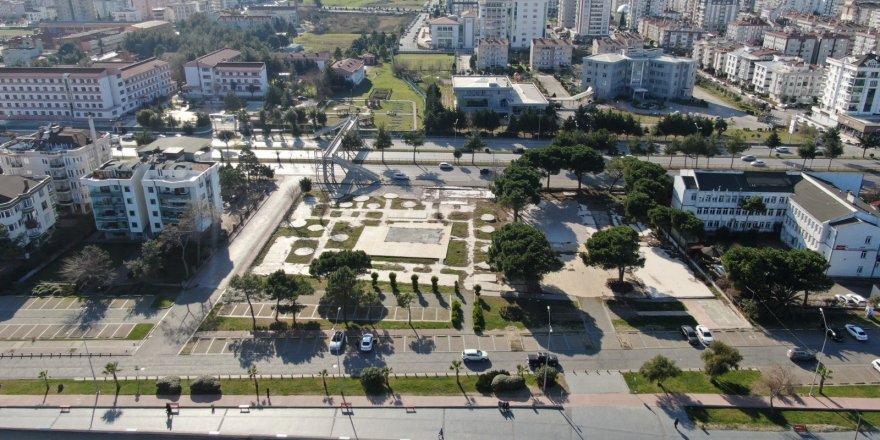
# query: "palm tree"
{"points": [[44, 376], [252, 373], [456, 366], [225, 136], [324, 375], [112, 368]]}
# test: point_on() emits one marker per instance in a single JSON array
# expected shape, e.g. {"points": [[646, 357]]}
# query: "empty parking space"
{"points": [[61, 331]]}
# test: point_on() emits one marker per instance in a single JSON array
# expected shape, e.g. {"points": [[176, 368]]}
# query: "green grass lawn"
{"points": [[301, 259], [456, 253], [653, 322], [762, 419], [12, 33], [870, 391], [382, 77], [735, 382], [325, 42], [460, 230], [353, 232], [139, 332], [427, 63], [340, 22], [534, 313], [373, 214]]}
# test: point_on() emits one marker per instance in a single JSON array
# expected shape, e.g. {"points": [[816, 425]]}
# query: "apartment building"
{"points": [[27, 208], [105, 90], [865, 13], [566, 13], [617, 42], [288, 14], [21, 51], [491, 53], [321, 59], [811, 23], [549, 53], [592, 18], [640, 9], [787, 79], [528, 21], [639, 74], [454, 32], [220, 72], [668, 33], [713, 15], [129, 14], [135, 199], [851, 87], [865, 42], [739, 65], [352, 69], [76, 10], [63, 153], [11, 9], [711, 54], [747, 30], [816, 211], [494, 18], [813, 48], [456, 7], [496, 93]]}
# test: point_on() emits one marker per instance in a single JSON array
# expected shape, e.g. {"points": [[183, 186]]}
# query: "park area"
{"points": [[402, 112]]}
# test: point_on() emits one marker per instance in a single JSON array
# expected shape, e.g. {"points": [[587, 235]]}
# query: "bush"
{"points": [[519, 150], [205, 385], [169, 385], [372, 378], [52, 289], [434, 281], [305, 184], [375, 277], [479, 320], [511, 313], [457, 315], [392, 277], [551, 373], [484, 381], [503, 382]]}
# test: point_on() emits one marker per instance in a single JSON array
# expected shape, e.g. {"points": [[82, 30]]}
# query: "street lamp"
{"points": [[339, 364], [137, 371], [547, 358], [822, 351]]}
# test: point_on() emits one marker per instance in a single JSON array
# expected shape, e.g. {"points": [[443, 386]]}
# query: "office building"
{"points": [[639, 74], [496, 93]]}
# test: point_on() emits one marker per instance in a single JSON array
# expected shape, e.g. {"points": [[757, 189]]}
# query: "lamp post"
{"points": [[137, 379], [339, 364], [547, 358], [454, 134], [494, 167], [822, 351]]}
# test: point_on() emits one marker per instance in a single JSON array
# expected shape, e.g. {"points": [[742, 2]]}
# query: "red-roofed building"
{"points": [[352, 69], [221, 72]]}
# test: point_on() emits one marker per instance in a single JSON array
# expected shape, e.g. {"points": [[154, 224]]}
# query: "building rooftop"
{"points": [[826, 202], [218, 56], [480, 82], [176, 145], [550, 42], [13, 186], [348, 65], [150, 24], [523, 93], [49, 139], [527, 94], [493, 42], [443, 20], [130, 70], [746, 181]]}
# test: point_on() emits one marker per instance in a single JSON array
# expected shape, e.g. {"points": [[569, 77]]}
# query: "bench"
{"points": [[800, 429], [175, 408], [64, 408], [244, 408], [410, 409]]}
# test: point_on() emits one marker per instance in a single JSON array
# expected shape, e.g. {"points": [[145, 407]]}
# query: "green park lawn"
{"points": [[735, 382], [381, 77], [325, 42], [438, 64], [412, 4], [764, 419]]}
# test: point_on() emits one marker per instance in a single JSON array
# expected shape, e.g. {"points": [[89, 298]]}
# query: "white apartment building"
{"points": [[498, 93], [549, 53], [136, 198], [528, 20], [105, 90], [739, 65], [668, 33], [617, 42], [352, 69], [712, 54], [640, 9], [128, 14], [639, 73], [865, 42], [851, 87], [65, 154], [566, 13], [491, 53], [76, 10], [747, 30], [494, 18], [714, 15], [27, 208], [592, 18], [219, 72], [458, 6], [813, 48], [788, 80], [12, 9], [816, 211]]}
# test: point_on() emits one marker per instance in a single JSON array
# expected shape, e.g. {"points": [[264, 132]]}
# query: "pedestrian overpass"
{"points": [[336, 161]]}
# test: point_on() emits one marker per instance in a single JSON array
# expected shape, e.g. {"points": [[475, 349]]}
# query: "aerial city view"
{"points": [[440, 219]]}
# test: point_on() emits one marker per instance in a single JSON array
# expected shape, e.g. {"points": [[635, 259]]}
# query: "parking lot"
{"points": [[12, 332], [310, 311], [674, 339], [68, 303]]}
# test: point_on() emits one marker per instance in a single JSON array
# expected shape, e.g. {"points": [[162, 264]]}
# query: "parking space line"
{"points": [[23, 330], [57, 331], [45, 329], [36, 331], [109, 329], [8, 330]]}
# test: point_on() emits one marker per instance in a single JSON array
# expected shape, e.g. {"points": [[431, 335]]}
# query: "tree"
{"points": [[752, 205], [824, 374], [719, 358], [614, 248], [10, 247], [405, 300], [736, 146], [151, 261], [522, 253], [415, 139], [517, 187], [351, 141], [383, 141], [305, 184], [44, 376], [232, 183], [868, 140], [112, 368], [248, 285], [252, 373], [283, 287], [773, 141], [549, 160], [659, 369], [807, 151], [225, 136], [637, 204], [91, 267], [721, 126], [833, 145], [329, 262], [581, 159], [456, 154], [456, 366], [474, 143], [343, 290], [777, 382], [231, 102]]}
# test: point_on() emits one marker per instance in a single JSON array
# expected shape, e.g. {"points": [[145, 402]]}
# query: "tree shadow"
{"points": [[111, 415]]}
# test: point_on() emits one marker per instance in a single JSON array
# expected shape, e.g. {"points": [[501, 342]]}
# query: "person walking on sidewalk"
{"points": [[675, 424], [168, 410]]}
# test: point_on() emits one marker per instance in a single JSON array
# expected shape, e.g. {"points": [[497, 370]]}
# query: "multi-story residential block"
{"points": [[637, 10], [129, 14], [243, 21], [747, 30], [639, 74], [566, 13], [494, 16], [288, 14], [63, 153], [548, 53], [617, 42], [813, 48], [12, 9], [863, 12], [106, 8], [179, 10], [456, 7], [136, 198], [496, 93], [592, 18], [321, 59], [811, 23], [668, 33], [219, 72], [528, 21], [714, 15], [21, 51], [788, 80], [76, 10], [850, 94], [454, 32], [27, 209], [711, 55], [865, 42], [817, 211], [491, 53], [739, 65], [146, 6], [105, 90], [352, 69]]}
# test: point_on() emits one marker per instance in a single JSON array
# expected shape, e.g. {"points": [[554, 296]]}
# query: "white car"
{"points": [[705, 335], [367, 342], [855, 299], [445, 166], [876, 364], [783, 150], [856, 332], [841, 299], [472, 354], [399, 176], [759, 163], [337, 341]]}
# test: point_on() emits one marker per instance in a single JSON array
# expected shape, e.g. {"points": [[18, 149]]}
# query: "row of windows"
{"points": [[45, 81], [768, 200], [738, 211]]}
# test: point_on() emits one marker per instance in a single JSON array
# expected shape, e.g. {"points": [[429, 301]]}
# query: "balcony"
{"points": [[113, 226], [56, 164], [27, 207], [65, 202], [60, 177], [62, 189]]}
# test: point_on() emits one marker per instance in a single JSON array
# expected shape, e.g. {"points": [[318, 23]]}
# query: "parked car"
{"points": [[485, 171], [127, 137], [445, 166], [542, 358], [399, 176], [689, 334], [841, 299], [783, 150], [748, 158], [835, 334], [856, 332], [337, 341], [759, 163], [876, 364], [856, 300], [472, 354], [367, 342], [705, 335], [801, 354]]}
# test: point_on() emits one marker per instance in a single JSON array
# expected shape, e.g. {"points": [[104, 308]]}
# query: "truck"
{"points": [[542, 358]]}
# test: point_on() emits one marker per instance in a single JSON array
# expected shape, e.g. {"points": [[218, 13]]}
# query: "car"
{"points": [[127, 137], [841, 299], [689, 334], [856, 332], [542, 358], [367, 342], [748, 158], [302, 98], [835, 334], [801, 354], [399, 176], [759, 163], [337, 341], [876, 364], [445, 166], [783, 150], [485, 171], [472, 354], [855, 299], [705, 335]]}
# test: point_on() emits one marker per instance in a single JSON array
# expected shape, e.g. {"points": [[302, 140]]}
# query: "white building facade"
{"points": [[788, 80], [221, 72], [549, 53], [528, 20], [639, 73], [27, 208], [851, 86], [592, 18]]}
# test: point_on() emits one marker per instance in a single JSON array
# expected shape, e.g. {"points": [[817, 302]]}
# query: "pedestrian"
{"points": [[168, 410], [440, 435], [675, 424], [267, 392]]}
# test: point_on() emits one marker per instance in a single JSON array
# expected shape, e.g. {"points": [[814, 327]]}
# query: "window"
{"points": [[152, 201], [127, 189], [155, 213], [134, 224], [128, 200], [863, 254], [150, 189], [868, 240], [131, 213], [157, 226], [859, 269]]}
